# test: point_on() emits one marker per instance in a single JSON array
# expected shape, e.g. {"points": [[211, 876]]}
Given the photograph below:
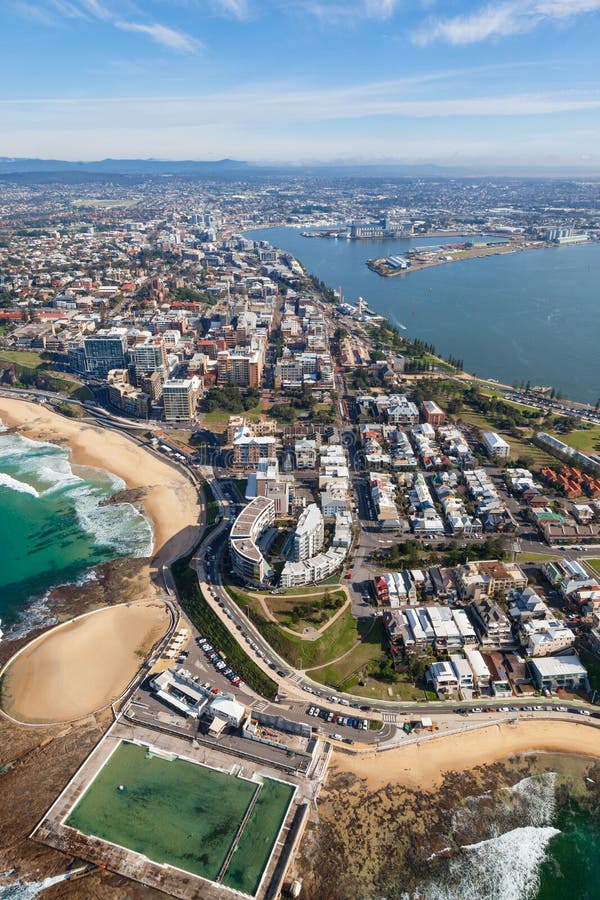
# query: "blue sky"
{"points": [[511, 82]]}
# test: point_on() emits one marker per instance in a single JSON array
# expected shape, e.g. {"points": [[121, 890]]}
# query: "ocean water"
{"points": [[25, 891], [531, 316], [540, 841], [53, 528]]}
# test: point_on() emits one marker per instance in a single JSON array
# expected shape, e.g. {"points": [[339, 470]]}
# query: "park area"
{"points": [[212, 824]]}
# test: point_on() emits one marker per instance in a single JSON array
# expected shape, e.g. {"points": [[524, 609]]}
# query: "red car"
{"points": [[348, 575]]}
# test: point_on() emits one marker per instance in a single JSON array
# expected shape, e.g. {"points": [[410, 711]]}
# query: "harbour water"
{"points": [[530, 316], [53, 526]]}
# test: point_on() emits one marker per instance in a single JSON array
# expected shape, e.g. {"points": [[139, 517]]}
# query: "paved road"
{"points": [[297, 692]]}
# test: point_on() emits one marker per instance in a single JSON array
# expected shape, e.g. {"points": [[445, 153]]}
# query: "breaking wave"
{"points": [[531, 801], [501, 840], [43, 470], [502, 868], [28, 890], [13, 484]]}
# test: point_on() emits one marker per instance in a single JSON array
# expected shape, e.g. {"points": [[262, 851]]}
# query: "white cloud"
{"points": [[162, 34], [289, 106], [238, 9], [380, 9], [67, 9], [500, 20], [97, 11]]}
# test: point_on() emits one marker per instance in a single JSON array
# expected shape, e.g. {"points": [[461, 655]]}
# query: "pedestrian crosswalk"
{"points": [[297, 676], [260, 706], [392, 718]]}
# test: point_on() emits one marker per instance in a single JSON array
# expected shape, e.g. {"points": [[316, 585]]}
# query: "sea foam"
{"points": [[45, 469], [13, 484], [506, 867]]}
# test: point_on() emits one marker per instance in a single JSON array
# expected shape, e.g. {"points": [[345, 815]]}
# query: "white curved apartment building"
{"points": [[246, 557]]}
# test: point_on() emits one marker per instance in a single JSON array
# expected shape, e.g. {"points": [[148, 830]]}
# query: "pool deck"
{"points": [[52, 831]]}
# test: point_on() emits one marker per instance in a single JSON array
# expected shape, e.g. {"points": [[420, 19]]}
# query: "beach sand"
{"points": [[422, 766], [384, 820], [80, 667], [170, 500]]}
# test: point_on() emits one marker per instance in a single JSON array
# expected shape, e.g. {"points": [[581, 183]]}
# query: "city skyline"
{"points": [[462, 84]]}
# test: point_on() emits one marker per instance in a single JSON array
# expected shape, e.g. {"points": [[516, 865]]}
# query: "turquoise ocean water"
{"points": [[53, 529]]}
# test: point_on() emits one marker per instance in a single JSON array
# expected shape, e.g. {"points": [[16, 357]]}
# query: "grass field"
{"points": [[282, 607], [537, 557], [31, 365], [519, 446], [351, 672], [337, 639], [585, 439], [200, 811], [306, 615], [594, 563], [216, 421], [400, 690], [344, 673]]}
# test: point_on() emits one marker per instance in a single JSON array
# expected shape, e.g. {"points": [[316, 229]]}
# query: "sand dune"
{"points": [[424, 764], [77, 668], [169, 499]]}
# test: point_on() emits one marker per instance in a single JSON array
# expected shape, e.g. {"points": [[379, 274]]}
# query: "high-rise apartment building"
{"points": [[180, 398]]}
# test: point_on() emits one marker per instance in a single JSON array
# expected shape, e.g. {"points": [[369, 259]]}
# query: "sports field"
{"points": [[185, 815]]}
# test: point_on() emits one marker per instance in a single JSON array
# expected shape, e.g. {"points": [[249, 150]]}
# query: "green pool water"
{"points": [[183, 814], [256, 843]]}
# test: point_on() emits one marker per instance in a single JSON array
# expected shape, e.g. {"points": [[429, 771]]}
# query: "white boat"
{"points": [[1, 632]]}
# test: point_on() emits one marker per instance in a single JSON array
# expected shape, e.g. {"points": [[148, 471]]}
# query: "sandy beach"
{"points": [[423, 765], [80, 667], [169, 499]]}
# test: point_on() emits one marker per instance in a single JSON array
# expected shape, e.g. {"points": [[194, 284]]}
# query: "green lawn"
{"points": [[337, 639], [594, 563], [307, 615], [216, 421], [537, 557], [519, 446], [181, 437], [585, 439], [401, 690], [27, 359], [344, 675], [30, 365]]}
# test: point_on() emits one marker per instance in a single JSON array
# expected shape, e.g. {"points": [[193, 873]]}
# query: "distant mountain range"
{"points": [[50, 169], [9, 166]]}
